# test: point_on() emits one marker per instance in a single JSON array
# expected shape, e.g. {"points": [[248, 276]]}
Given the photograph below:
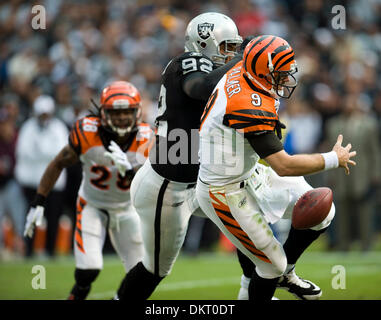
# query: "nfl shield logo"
{"points": [[203, 30]]}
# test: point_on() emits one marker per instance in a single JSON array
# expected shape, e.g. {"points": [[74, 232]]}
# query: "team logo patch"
{"points": [[204, 30]]}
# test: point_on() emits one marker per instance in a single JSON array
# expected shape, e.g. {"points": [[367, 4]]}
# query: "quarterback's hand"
{"points": [[344, 154], [34, 218], [119, 158]]}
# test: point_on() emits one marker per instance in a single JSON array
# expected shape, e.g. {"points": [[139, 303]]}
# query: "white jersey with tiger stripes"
{"points": [[225, 155], [102, 186], [235, 109]]}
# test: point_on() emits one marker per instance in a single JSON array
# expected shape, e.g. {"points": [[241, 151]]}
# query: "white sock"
{"points": [[289, 268], [245, 281]]}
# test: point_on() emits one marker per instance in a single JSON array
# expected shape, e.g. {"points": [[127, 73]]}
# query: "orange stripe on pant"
{"points": [[78, 228], [223, 212]]}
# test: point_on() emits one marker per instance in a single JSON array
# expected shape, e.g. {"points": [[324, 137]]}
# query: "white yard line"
{"points": [[183, 285]]}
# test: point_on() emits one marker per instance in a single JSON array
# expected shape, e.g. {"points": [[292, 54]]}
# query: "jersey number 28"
{"points": [[104, 175]]}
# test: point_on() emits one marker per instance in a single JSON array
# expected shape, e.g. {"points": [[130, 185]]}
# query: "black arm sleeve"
{"points": [[200, 85], [265, 144]]}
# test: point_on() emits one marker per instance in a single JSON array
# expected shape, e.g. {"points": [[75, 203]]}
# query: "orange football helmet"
{"points": [[269, 63], [120, 107]]}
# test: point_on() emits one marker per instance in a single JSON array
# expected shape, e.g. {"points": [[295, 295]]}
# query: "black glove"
{"points": [[278, 129]]}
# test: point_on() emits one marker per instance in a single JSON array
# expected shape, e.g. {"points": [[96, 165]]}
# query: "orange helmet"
{"points": [[269, 63], [120, 107]]}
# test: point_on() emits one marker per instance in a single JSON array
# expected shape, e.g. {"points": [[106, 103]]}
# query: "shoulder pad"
{"points": [[250, 111], [195, 54], [84, 134]]}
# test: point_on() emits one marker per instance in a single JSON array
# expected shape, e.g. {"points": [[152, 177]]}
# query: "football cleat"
{"points": [[300, 288]]}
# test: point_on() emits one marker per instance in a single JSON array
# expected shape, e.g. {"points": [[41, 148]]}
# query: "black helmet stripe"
{"points": [[287, 61], [279, 50], [282, 57], [252, 47], [118, 94], [257, 55]]}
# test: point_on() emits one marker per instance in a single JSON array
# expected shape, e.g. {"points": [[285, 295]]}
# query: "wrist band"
{"points": [[331, 160], [39, 200]]}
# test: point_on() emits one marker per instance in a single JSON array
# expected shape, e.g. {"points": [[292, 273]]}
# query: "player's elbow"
{"points": [[282, 170], [282, 163]]}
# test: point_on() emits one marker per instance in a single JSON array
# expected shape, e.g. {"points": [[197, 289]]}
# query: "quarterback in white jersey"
{"points": [[111, 148], [241, 196]]}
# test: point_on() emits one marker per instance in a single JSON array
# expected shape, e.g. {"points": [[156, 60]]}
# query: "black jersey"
{"points": [[175, 155]]}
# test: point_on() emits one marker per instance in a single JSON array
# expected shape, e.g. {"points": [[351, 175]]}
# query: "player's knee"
{"points": [[275, 253], [165, 265], [262, 234], [327, 221], [84, 277], [279, 266], [273, 270]]}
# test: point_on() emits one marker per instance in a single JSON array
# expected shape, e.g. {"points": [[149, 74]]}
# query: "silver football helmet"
{"points": [[214, 35]]}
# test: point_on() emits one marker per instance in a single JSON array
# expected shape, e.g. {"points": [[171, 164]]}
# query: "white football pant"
{"points": [[243, 211], [90, 233], [164, 208]]}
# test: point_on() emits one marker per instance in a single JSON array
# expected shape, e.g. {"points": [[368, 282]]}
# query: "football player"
{"points": [[110, 147], [163, 190], [242, 197]]}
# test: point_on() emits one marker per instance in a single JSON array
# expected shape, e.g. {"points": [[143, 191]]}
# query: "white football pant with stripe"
{"points": [[243, 211], [164, 208], [90, 234]]}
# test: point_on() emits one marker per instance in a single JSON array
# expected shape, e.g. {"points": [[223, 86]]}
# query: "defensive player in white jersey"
{"points": [[241, 196], [110, 147]]}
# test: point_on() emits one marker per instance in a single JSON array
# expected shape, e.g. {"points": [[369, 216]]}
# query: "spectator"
{"points": [[354, 194], [12, 200], [41, 138], [88, 43]]}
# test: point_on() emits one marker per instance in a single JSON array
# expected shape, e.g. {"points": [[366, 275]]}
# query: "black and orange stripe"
{"points": [[254, 45], [223, 212], [276, 62], [74, 138], [120, 90], [116, 95], [251, 120], [81, 139], [77, 137], [256, 55], [78, 227], [259, 53]]}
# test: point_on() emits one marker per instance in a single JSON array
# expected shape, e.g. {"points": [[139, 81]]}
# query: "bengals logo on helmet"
{"points": [[269, 62]]}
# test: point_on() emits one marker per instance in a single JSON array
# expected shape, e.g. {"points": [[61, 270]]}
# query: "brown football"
{"points": [[312, 208]]}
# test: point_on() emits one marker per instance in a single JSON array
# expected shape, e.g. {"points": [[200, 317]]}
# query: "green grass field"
{"points": [[209, 276]]}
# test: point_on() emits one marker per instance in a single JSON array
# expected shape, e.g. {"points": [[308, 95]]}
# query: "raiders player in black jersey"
{"points": [[163, 189], [186, 85]]}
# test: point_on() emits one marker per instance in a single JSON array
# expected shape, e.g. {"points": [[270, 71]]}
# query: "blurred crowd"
{"points": [[86, 44]]}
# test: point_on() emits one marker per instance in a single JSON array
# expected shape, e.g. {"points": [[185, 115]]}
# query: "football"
{"points": [[312, 208]]}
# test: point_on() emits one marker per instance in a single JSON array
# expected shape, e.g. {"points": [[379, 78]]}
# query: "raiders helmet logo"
{"points": [[203, 30]]}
